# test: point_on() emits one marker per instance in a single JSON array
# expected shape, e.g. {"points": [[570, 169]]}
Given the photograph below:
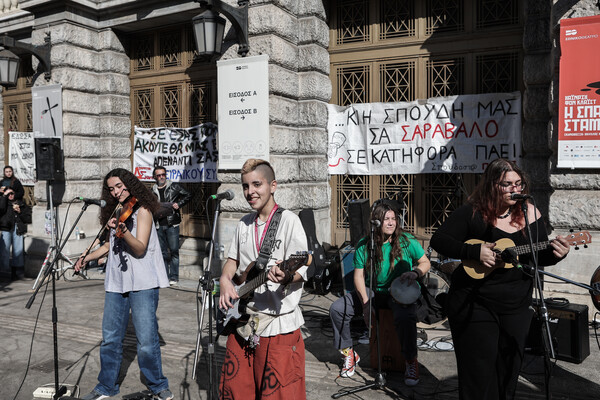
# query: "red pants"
{"points": [[272, 371]]}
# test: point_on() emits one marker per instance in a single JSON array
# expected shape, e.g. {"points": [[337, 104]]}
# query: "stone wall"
{"points": [[295, 36], [92, 67]]}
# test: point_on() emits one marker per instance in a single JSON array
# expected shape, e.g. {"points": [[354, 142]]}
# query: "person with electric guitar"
{"points": [[265, 354], [488, 304]]}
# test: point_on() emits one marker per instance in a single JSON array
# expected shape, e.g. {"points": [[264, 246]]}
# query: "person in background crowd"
{"points": [[134, 274], [172, 197], [268, 362], [490, 317], [10, 181], [397, 255], [14, 215]]}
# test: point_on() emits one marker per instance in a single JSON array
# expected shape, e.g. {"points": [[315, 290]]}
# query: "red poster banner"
{"points": [[579, 93]]}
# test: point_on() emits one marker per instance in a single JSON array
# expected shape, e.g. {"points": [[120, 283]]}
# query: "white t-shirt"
{"points": [[273, 298]]}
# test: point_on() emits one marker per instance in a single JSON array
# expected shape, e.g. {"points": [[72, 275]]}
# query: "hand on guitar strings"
{"points": [[488, 256], [227, 293], [560, 246]]}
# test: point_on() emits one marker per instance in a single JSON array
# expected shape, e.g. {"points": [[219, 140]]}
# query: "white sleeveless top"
{"points": [[126, 272]]}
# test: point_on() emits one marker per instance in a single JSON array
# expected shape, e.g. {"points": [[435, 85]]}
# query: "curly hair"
{"points": [[398, 239], [487, 196], [137, 189]]}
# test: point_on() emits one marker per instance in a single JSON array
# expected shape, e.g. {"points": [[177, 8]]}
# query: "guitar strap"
{"points": [[269, 241]]}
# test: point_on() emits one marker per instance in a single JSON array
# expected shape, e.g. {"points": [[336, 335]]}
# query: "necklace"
{"points": [[505, 215]]}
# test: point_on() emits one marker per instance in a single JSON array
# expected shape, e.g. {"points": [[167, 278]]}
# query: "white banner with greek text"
{"points": [[21, 156], [443, 134], [188, 154]]}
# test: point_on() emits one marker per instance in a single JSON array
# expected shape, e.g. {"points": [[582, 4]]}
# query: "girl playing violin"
{"points": [[134, 272]]}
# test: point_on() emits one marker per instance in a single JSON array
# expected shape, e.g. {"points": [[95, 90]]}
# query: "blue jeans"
{"points": [[168, 236], [11, 238], [143, 306]]}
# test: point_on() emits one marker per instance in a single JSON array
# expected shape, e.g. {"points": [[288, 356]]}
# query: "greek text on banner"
{"points": [[443, 134], [188, 154]]}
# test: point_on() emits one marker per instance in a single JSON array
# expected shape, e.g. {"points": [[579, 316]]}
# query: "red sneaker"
{"points": [[411, 375], [350, 362]]}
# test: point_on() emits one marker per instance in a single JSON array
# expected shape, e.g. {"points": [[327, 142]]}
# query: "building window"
{"points": [[353, 21]]}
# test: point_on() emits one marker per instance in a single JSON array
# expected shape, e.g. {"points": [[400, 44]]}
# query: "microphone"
{"points": [[376, 223], [519, 196], [99, 203], [226, 195]]}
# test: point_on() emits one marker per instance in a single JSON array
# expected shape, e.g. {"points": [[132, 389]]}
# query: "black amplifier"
{"points": [[569, 330]]}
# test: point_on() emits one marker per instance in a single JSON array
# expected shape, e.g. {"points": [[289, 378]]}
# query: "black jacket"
{"points": [[174, 193], [8, 216]]}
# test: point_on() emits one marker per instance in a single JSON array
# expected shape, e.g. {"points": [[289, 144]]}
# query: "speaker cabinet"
{"points": [[569, 331], [358, 219], [49, 163]]}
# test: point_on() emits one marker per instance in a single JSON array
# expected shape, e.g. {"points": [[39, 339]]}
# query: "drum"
{"points": [[448, 265], [405, 292]]}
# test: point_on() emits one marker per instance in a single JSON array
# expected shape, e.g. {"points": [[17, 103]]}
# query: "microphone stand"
{"points": [[379, 382], [542, 310], [208, 286], [58, 392]]}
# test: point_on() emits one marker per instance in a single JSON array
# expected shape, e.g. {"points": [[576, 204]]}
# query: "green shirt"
{"points": [[411, 252]]}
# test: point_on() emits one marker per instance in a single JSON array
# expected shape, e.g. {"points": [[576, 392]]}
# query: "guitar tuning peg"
{"points": [[576, 247], [571, 230], [585, 246]]}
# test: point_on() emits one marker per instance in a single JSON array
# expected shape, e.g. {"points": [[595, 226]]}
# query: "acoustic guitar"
{"points": [[254, 280], [476, 270]]}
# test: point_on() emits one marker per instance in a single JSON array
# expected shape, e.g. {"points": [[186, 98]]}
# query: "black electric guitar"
{"points": [[253, 279], [476, 270]]}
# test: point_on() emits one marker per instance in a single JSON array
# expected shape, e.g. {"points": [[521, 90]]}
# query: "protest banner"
{"points": [[188, 154], [443, 134], [579, 93], [21, 156]]}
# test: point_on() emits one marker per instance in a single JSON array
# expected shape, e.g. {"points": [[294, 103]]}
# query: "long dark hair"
{"points": [[487, 196], [144, 196], [397, 240]]}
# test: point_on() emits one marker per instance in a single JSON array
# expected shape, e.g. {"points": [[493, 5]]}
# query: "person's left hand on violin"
{"points": [[560, 246]]}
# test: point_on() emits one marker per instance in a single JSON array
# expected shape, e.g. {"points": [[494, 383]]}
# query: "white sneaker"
{"points": [[173, 283]]}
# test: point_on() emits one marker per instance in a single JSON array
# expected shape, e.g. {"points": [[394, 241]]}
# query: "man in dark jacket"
{"points": [[172, 197]]}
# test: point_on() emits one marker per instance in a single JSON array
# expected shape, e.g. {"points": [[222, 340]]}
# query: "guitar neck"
{"points": [[525, 249], [249, 287]]}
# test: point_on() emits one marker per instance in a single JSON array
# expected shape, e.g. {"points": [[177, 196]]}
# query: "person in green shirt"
{"points": [[397, 254]]}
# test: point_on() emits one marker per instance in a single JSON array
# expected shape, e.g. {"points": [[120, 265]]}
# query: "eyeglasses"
{"points": [[159, 175], [506, 186], [11, 194]]}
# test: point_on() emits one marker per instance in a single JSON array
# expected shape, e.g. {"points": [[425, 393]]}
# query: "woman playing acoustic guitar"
{"points": [[490, 316], [134, 273]]}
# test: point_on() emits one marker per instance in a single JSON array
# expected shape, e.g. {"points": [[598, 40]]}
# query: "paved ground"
{"points": [[80, 304]]}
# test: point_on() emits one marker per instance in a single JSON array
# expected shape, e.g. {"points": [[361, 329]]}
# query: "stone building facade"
{"points": [[91, 60]]}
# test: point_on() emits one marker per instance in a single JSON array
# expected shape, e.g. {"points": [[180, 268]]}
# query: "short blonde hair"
{"points": [[254, 164]]}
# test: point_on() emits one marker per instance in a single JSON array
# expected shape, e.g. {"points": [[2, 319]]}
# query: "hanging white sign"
{"points": [[443, 134]]}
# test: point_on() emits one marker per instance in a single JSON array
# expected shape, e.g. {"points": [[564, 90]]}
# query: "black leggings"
{"points": [[489, 350]]}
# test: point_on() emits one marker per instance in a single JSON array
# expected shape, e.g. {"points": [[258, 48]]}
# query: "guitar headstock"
{"points": [[579, 238], [297, 260]]}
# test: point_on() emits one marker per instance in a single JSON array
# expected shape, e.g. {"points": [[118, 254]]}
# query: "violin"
{"points": [[123, 213]]}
